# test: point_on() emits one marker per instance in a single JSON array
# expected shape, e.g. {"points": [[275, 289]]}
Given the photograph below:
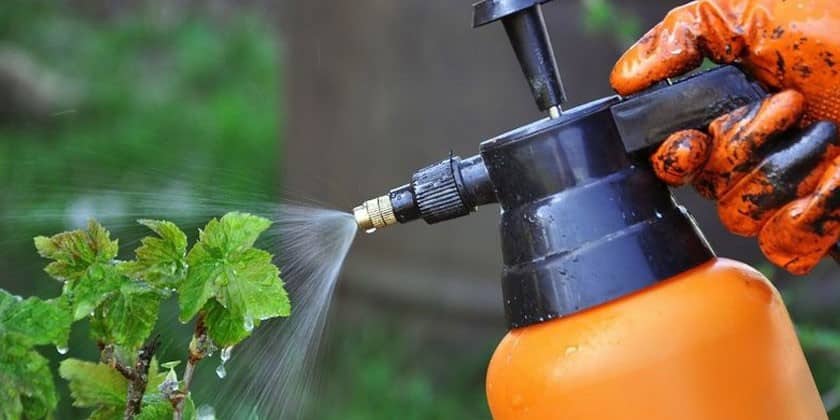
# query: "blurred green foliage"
{"points": [[604, 17], [374, 373], [182, 98]]}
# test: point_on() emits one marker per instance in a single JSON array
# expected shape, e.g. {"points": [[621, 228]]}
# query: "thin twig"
{"points": [[107, 356], [138, 377], [200, 346]]}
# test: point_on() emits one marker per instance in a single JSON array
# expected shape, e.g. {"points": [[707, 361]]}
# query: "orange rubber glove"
{"points": [[781, 186]]}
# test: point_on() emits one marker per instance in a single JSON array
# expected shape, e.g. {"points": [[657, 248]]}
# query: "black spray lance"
{"points": [[581, 206]]}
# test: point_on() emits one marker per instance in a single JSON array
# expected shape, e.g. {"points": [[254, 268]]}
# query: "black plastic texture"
{"points": [[583, 223], [443, 191], [404, 204], [529, 38], [525, 26], [649, 118], [487, 11], [477, 190]]}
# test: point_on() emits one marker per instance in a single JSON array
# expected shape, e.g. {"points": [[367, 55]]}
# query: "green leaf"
{"points": [[128, 317], [223, 327], [236, 284], [40, 322], [161, 261], [189, 409], [96, 285], [109, 412], [156, 376], [235, 232], [74, 252], [198, 287], [26, 383], [170, 365], [157, 408], [94, 384], [223, 259], [255, 289]]}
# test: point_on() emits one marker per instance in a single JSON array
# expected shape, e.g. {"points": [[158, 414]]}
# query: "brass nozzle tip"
{"points": [[375, 214]]}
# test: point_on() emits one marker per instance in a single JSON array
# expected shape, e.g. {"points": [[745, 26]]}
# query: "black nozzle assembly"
{"points": [[442, 191], [525, 26]]}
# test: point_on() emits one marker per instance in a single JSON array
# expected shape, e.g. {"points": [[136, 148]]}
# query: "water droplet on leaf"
{"points": [[220, 371], [249, 324], [225, 355], [62, 349]]}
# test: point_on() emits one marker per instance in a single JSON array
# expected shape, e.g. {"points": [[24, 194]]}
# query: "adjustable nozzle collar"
{"points": [[446, 190], [375, 214]]}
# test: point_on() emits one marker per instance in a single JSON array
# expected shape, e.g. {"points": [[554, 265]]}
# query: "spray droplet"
{"points": [[205, 412], [249, 324], [658, 215], [225, 355], [62, 349], [371, 230], [220, 371], [571, 349]]}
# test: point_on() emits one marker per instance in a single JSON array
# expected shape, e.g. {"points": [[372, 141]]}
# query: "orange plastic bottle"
{"points": [[618, 309], [715, 342]]}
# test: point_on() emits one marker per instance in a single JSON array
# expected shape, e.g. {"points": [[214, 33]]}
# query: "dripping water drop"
{"points": [[249, 324], [225, 354]]}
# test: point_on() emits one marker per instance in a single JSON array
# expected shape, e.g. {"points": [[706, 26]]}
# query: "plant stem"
{"points": [[200, 346], [138, 377]]}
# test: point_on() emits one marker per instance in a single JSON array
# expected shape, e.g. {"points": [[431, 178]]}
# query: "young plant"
{"points": [[223, 283]]}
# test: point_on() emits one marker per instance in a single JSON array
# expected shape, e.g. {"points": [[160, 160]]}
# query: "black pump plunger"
{"points": [[526, 30]]}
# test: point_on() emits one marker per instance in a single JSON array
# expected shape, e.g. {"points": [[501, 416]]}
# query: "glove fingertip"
{"points": [[681, 156]]}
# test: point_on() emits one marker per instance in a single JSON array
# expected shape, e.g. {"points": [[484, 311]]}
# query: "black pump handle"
{"points": [[648, 118]]}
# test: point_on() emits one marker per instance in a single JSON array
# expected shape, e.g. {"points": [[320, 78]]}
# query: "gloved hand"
{"points": [[781, 186]]}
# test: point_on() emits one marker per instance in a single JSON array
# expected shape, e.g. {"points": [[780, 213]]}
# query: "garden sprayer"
{"points": [[617, 306]]}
